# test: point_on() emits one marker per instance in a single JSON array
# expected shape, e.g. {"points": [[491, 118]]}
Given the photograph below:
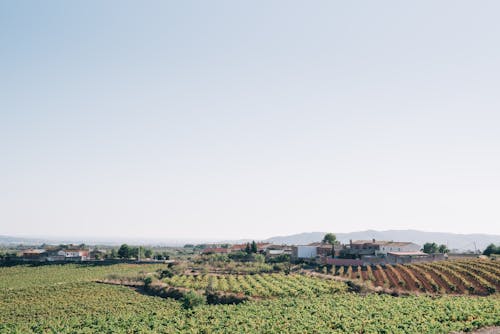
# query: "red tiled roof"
{"points": [[215, 250], [34, 251]]}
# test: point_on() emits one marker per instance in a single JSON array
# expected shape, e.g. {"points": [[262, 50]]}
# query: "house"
{"points": [[55, 255], [390, 246], [360, 248], [406, 257], [322, 249], [277, 250], [34, 255], [75, 254], [303, 252]]}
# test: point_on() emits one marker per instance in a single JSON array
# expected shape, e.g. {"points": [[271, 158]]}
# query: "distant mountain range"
{"points": [[462, 242]]}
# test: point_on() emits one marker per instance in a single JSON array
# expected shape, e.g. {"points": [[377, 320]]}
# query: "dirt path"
{"points": [[485, 330]]}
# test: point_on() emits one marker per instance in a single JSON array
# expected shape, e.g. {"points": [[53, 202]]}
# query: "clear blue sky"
{"points": [[228, 119]]}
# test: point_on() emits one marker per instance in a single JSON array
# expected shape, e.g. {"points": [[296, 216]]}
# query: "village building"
{"points": [[273, 251], [304, 252], [34, 255], [406, 257], [364, 248], [55, 254]]}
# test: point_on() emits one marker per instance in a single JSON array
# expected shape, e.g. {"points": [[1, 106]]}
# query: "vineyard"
{"points": [[64, 299], [477, 277], [261, 285]]}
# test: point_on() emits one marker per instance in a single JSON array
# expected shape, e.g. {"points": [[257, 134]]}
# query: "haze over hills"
{"points": [[462, 242]]}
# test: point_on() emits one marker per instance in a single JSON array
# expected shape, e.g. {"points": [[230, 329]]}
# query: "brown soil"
{"points": [[461, 288], [379, 278], [485, 330], [410, 284], [422, 279], [479, 289], [393, 279], [439, 281], [364, 275], [480, 270]]}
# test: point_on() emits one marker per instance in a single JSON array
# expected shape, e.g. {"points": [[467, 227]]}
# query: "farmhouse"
{"points": [[323, 249], [361, 252], [406, 257], [390, 246], [34, 255], [75, 254], [303, 252], [55, 254], [277, 250], [359, 248]]}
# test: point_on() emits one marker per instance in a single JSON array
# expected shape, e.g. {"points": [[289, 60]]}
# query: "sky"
{"points": [[233, 119]]}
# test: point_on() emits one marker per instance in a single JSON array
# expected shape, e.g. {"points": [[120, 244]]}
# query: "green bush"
{"points": [[147, 281], [192, 299]]}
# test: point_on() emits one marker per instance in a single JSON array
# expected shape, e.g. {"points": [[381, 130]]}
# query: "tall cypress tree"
{"points": [[254, 247], [248, 250]]}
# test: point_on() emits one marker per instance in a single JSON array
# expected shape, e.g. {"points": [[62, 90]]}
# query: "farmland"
{"points": [[261, 285], [475, 277], [65, 299]]}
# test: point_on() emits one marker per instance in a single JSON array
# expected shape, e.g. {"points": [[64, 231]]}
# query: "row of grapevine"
{"points": [[262, 285], [44, 301], [458, 276], [96, 308]]}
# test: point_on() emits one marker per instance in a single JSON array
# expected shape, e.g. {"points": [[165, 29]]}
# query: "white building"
{"points": [[390, 247], [304, 252]]}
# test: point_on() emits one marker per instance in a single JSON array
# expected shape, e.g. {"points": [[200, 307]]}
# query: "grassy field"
{"points": [[63, 299]]}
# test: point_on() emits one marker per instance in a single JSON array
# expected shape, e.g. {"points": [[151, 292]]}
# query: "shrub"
{"points": [[192, 299], [147, 281], [166, 273]]}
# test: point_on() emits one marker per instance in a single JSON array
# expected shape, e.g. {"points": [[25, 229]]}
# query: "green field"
{"points": [[63, 299]]}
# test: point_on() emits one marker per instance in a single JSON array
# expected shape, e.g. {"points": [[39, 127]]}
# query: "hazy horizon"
{"points": [[221, 119]]}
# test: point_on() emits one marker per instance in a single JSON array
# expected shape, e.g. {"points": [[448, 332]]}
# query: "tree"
{"points": [[491, 249], [330, 238], [148, 253], [443, 249], [124, 251], [112, 254], [248, 249], [254, 247], [430, 248], [133, 252]]}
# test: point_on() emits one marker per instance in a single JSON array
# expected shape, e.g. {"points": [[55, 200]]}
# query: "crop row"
{"points": [[262, 285], [470, 276], [88, 307]]}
